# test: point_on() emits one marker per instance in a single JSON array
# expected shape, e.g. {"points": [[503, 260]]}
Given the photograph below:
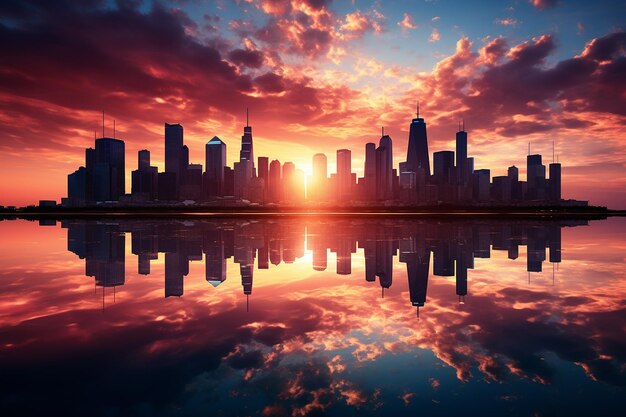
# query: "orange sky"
{"points": [[317, 76]]}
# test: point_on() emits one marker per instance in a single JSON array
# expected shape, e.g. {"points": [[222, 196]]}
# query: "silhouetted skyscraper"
{"points": [[247, 148], [344, 171], [461, 154], [535, 177], [384, 168], [370, 171], [555, 182], [144, 180], [109, 181], [275, 181], [417, 155], [174, 150], [215, 161]]}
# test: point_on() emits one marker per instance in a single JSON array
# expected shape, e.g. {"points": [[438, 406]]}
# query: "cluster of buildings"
{"points": [[256, 245], [452, 179]]}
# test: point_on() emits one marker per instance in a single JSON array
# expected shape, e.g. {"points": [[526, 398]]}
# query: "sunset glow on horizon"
{"points": [[317, 76]]}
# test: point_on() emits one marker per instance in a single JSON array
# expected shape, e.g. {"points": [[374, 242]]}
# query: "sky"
{"points": [[317, 76]]}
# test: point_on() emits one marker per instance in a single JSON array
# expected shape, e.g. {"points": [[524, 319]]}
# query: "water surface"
{"points": [[312, 316]]}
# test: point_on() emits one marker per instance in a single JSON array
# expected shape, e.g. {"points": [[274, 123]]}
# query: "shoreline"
{"points": [[440, 212]]}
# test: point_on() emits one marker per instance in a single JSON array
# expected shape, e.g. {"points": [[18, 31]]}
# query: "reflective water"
{"points": [[312, 316]]}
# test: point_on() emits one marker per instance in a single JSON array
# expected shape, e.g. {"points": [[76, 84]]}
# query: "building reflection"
{"points": [[452, 244]]}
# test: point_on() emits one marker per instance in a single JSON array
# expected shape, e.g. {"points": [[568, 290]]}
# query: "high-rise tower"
{"points": [[461, 154], [417, 153], [247, 149]]}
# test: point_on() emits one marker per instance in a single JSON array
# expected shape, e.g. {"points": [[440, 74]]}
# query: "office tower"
{"points": [[461, 154], [174, 150], [417, 153], [482, 179], [275, 182], [384, 168], [443, 162], [288, 181], [316, 187], [215, 161], [516, 187], [370, 171], [144, 180], [143, 159], [555, 183], [243, 175], [109, 181], [263, 170], [191, 188], [77, 186], [535, 177], [247, 149], [344, 171]]}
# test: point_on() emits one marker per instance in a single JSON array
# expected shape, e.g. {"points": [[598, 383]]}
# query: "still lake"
{"points": [[304, 316]]}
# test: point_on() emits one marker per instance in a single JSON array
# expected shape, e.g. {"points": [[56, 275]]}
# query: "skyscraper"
{"points": [[247, 149], [384, 168], [275, 182], [215, 161], [264, 166], [417, 153], [109, 169], [535, 177], [174, 149], [555, 182], [370, 171], [344, 177], [318, 183], [461, 154]]}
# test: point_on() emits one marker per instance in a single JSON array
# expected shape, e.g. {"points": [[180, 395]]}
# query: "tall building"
{"points": [[384, 168], [144, 180], [443, 167], [143, 159], [344, 177], [370, 171], [535, 177], [417, 153], [174, 150], [461, 154], [288, 181], [555, 183], [247, 149], [319, 178], [109, 181], [263, 168], [275, 182], [215, 161]]}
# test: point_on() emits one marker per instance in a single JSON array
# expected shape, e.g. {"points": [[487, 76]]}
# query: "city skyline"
{"points": [[453, 179], [317, 76]]}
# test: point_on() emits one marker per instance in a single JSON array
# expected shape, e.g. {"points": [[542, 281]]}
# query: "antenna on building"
{"points": [[102, 123], [552, 151], [528, 148], [94, 134], [463, 124], [113, 128], [418, 109], [383, 131], [247, 118]]}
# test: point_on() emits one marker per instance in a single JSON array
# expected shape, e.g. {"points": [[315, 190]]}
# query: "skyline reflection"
{"points": [[312, 315]]}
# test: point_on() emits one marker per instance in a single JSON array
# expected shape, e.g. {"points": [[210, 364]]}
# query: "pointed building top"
{"points": [[247, 118]]}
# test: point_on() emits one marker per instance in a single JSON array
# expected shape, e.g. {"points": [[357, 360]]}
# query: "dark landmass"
{"points": [[595, 212]]}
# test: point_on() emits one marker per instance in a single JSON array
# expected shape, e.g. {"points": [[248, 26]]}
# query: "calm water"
{"points": [[312, 316]]}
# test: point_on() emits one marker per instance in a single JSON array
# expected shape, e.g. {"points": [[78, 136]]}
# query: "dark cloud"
{"points": [[247, 58]]}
